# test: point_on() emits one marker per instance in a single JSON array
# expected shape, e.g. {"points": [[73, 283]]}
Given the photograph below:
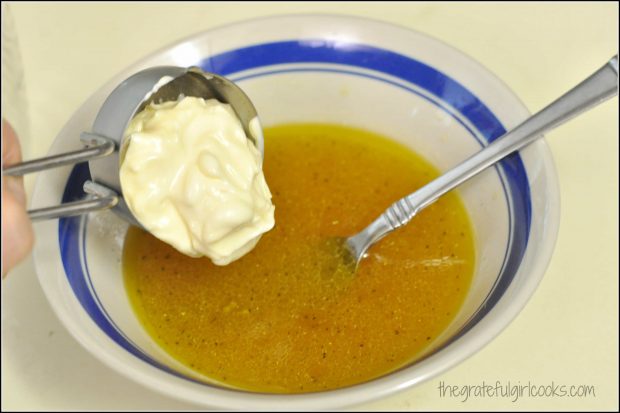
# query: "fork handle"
{"points": [[601, 85]]}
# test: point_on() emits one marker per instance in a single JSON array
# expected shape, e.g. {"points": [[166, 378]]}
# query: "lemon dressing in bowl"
{"points": [[290, 316]]}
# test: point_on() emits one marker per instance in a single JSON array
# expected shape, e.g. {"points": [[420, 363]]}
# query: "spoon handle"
{"points": [[601, 85]]}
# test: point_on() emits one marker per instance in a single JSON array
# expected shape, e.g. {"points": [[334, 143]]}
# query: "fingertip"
{"points": [[17, 233], [11, 150]]}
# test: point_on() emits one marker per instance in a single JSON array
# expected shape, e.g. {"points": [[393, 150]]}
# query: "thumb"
{"points": [[17, 235]]}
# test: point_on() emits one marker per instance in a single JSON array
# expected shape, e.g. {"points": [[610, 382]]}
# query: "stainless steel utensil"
{"points": [[104, 142], [600, 86]]}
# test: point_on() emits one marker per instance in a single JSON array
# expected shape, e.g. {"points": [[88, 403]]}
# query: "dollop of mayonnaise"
{"points": [[192, 178]]}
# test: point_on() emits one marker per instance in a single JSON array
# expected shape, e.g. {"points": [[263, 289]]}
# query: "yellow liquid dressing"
{"points": [[288, 317]]}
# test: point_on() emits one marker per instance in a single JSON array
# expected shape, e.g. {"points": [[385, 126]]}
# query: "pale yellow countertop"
{"points": [[568, 332]]}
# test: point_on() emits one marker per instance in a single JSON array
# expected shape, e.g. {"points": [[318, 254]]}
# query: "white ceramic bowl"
{"points": [[317, 68]]}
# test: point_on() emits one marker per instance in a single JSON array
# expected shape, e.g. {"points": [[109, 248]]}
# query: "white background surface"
{"points": [[568, 332]]}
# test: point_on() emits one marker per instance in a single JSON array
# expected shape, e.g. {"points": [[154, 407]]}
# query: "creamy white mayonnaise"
{"points": [[192, 178]]}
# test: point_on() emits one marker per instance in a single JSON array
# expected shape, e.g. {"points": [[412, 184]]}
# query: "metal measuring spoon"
{"points": [[601, 85], [104, 143]]}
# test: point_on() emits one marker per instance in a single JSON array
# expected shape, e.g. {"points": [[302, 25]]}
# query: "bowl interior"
{"points": [[356, 77]]}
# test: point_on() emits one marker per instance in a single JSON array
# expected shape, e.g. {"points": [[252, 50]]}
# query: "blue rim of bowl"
{"points": [[348, 59]]}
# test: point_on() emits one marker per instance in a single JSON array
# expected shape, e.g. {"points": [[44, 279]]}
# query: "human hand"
{"points": [[17, 235]]}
